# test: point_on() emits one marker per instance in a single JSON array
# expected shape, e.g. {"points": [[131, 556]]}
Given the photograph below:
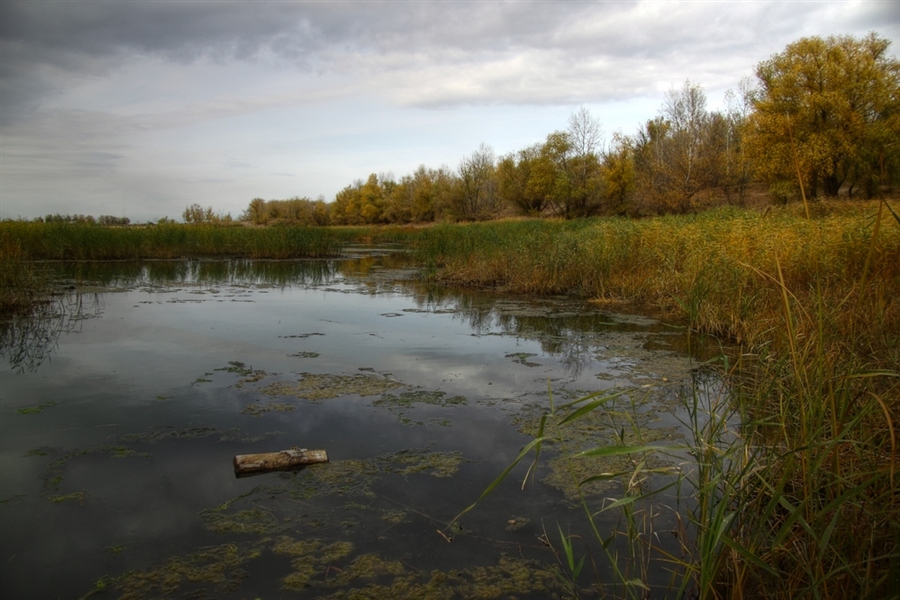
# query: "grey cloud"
{"points": [[45, 44]]}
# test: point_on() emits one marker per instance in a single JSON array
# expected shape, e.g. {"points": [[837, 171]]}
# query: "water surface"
{"points": [[123, 405]]}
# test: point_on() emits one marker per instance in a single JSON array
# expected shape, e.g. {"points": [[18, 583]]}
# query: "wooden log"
{"points": [[251, 464]]}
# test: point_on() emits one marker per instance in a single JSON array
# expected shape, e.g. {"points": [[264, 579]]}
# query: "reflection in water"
{"points": [[28, 340], [195, 362], [566, 328], [240, 272]]}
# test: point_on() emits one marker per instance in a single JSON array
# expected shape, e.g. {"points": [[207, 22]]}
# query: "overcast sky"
{"points": [[140, 108]]}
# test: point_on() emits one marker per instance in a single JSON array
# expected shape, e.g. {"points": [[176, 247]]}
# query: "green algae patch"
{"points": [[412, 397], [301, 520], [218, 566], [258, 408], [189, 433], [343, 478], [322, 386], [399, 404], [517, 523], [522, 358], [53, 477], [436, 464], [74, 496], [394, 516], [255, 521], [247, 374], [626, 421], [33, 410], [509, 578]]}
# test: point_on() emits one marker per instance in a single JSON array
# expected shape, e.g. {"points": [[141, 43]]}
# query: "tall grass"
{"points": [[798, 497], [82, 241], [21, 282]]}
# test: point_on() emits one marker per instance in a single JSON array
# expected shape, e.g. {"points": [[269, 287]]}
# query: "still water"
{"points": [[124, 402]]}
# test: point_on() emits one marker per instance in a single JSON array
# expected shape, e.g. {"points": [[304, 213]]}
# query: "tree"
{"points": [[586, 193], [826, 112], [517, 184], [476, 196], [256, 212], [618, 173]]}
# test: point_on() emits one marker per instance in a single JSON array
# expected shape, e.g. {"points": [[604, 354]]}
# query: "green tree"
{"points": [[827, 111], [256, 212], [618, 174]]}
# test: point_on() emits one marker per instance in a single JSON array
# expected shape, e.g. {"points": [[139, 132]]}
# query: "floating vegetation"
{"points": [[169, 432], [53, 477], [511, 577], [623, 422], [322, 386], [408, 399], [247, 374], [79, 496], [436, 464], [522, 358], [395, 516], [33, 410], [258, 408], [219, 566], [255, 520], [305, 355]]}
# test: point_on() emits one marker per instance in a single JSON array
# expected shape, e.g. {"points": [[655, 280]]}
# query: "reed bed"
{"points": [[82, 241], [22, 283], [799, 500]]}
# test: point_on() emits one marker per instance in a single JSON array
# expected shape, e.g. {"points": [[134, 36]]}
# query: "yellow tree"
{"points": [[826, 111]]}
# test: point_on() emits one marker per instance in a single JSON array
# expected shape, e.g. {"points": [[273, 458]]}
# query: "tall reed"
{"points": [[83, 241], [796, 498]]}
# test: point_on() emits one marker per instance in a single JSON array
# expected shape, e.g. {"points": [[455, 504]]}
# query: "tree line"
{"points": [[821, 118]]}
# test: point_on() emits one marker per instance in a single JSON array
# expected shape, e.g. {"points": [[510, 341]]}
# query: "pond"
{"points": [[124, 402]]}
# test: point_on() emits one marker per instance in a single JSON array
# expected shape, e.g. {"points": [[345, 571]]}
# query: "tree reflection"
{"points": [[28, 339]]}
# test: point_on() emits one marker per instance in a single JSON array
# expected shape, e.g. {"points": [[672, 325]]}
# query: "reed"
{"points": [[22, 283], [792, 487], [84, 241]]}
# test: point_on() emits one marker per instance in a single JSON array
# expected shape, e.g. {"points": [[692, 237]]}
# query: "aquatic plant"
{"points": [[86, 241], [790, 489]]}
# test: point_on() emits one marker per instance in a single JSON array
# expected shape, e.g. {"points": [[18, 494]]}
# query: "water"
{"points": [[123, 405]]}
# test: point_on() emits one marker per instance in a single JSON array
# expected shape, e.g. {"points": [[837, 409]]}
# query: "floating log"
{"points": [[251, 464]]}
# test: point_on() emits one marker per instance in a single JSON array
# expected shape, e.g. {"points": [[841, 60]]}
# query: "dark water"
{"points": [[124, 402]]}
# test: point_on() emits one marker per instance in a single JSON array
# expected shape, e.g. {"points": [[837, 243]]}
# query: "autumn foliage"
{"points": [[821, 118]]}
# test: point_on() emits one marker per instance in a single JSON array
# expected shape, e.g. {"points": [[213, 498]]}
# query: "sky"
{"points": [[140, 108]]}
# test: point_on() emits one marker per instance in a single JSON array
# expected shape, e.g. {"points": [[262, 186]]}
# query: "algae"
{"points": [[33, 410], [436, 464], [622, 421], [256, 520], [522, 358], [219, 566], [323, 386], [258, 408], [247, 374], [408, 399]]}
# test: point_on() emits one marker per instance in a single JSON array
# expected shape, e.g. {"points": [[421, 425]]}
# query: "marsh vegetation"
{"points": [[771, 471], [653, 466]]}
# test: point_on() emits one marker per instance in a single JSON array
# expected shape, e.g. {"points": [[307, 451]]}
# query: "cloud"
{"points": [[134, 96]]}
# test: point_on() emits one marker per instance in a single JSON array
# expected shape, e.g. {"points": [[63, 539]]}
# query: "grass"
{"points": [[83, 241], [792, 490]]}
